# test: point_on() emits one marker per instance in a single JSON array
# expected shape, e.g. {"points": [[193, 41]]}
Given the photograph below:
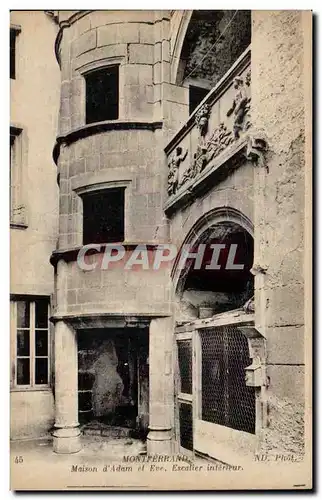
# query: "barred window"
{"points": [[185, 365], [32, 345]]}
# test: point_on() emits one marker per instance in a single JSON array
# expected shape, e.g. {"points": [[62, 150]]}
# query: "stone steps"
{"points": [[113, 432]]}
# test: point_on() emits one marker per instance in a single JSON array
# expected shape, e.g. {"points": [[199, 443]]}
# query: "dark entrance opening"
{"points": [[113, 377]]}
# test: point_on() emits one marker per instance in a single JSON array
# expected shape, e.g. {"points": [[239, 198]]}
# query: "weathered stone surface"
{"points": [[146, 33], [285, 345], [118, 33], [141, 53], [137, 74], [85, 43]]}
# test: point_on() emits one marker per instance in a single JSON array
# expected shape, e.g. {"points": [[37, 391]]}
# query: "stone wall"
{"points": [[34, 104], [278, 112], [34, 107], [235, 191]]}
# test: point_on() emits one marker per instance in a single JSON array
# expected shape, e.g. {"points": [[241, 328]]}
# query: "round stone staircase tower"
{"points": [[112, 168]]}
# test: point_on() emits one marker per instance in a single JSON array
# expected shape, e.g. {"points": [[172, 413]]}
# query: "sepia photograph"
{"points": [[160, 250]]}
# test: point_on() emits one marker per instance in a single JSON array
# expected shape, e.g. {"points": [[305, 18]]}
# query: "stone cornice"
{"points": [[70, 254], [97, 128], [107, 319], [66, 23]]}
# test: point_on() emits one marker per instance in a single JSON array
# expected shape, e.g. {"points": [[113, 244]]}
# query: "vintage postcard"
{"points": [[160, 225]]}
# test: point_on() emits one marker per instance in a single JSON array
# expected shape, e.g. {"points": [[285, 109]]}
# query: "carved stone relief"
{"points": [[220, 138]]}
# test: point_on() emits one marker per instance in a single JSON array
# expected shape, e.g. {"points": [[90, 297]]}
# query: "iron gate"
{"points": [[226, 400]]}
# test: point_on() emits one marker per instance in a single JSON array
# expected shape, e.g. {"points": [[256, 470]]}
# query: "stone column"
{"points": [[161, 398], [66, 434]]}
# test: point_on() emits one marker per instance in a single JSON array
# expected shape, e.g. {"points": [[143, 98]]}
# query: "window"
{"points": [[17, 207], [32, 346], [14, 31], [185, 365], [185, 393], [196, 95], [102, 94], [103, 216]]}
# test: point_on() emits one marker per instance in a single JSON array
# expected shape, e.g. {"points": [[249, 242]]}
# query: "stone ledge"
{"points": [[236, 317], [99, 127], [70, 254], [217, 170], [108, 319]]}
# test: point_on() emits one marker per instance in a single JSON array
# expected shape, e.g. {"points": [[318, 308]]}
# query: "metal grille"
{"points": [[185, 415], [185, 365], [226, 400]]}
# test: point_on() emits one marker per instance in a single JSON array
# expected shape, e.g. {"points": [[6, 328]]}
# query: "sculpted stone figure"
{"points": [[202, 117], [239, 106], [256, 148], [173, 175]]}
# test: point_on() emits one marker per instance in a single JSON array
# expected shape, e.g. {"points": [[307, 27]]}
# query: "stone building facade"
{"points": [[34, 199], [168, 137]]}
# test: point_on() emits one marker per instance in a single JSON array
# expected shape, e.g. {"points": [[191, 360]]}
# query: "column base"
{"points": [[66, 440], [159, 441]]}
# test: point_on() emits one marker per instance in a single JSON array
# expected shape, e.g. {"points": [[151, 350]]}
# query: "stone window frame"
{"points": [[101, 64], [32, 386], [80, 189], [18, 152]]}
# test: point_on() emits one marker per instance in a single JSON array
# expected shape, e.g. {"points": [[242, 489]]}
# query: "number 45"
{"points": [[19, 460]]}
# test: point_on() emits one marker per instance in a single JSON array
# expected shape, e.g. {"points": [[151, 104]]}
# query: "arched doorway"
{"points": [[215, 398], [221, 281]]}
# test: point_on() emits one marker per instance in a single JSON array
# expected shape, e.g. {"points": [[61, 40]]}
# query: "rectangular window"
{"points": [[185, 365], [14, 31], [196, 95], [102, 94], [17, 207], [103, 216], [32, 345]]}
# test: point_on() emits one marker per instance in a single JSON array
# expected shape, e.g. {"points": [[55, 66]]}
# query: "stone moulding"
{"points": [[99, 127], [219, 168], [107, 319], [70, 254]]}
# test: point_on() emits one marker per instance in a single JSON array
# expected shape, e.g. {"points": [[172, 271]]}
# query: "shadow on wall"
{"points": [[109, 391]]}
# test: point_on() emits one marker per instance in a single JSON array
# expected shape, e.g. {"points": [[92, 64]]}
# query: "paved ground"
{"points": [[99, 465], [95, 448]]}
